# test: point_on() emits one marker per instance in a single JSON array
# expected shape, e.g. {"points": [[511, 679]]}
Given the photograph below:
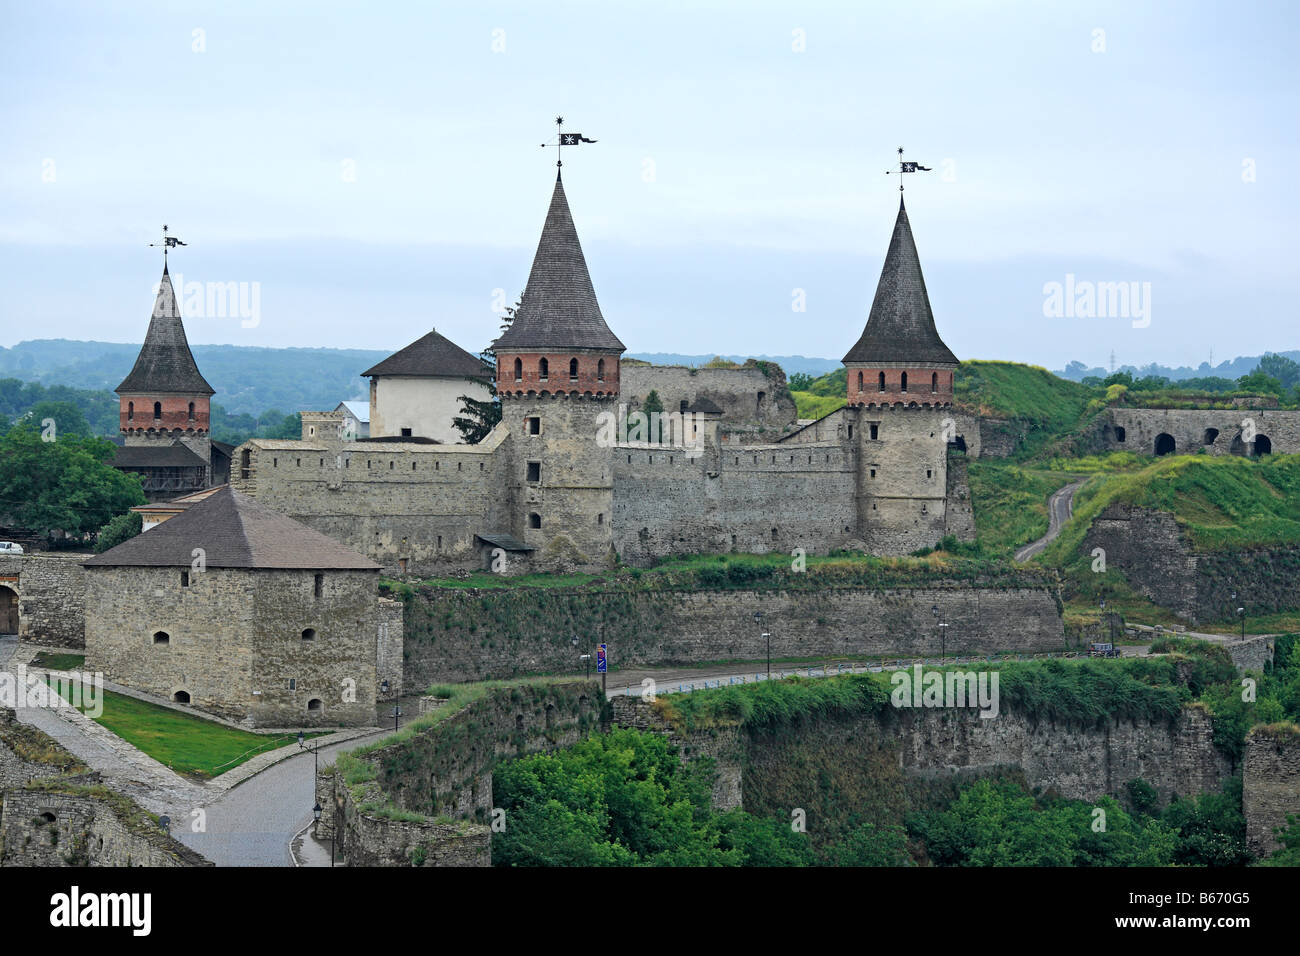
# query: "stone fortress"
{"points": [[568, 479]]}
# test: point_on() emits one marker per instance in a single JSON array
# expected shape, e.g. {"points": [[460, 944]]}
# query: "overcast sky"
{"points": [[375, 168]]}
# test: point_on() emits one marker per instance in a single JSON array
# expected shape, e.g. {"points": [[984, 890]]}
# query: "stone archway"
{"points": [[8, 610], [1164, 444], [1263, 445]]}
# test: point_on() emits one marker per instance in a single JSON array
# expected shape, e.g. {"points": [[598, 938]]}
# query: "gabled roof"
{"points": [[234, 531], [503, 540], [434, 356], [165, 363], [559, 309], [901, 325], [360, 410]]}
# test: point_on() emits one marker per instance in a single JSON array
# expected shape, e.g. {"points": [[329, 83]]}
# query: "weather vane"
{"points": [[564, 139], [906, 166], [167, 243]]}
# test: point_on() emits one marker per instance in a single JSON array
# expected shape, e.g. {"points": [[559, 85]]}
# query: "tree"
{"points": [[477, 416], [67, 419], [1285, 370], [800, 382], [62, 485], [1260, 384], [654, 406], [122, 528]]}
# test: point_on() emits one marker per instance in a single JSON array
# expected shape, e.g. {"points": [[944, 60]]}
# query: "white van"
{"points": [[8, 547]]}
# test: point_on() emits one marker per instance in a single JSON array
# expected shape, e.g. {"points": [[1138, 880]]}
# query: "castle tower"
{"points": [[557, 373], [900, 390], [163, 403]]}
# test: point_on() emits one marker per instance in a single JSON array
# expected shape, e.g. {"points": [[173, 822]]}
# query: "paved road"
{"points": [[1059, 508], [253, 823]]}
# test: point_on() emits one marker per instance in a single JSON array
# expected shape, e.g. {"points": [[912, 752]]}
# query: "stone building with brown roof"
{"points": [[235, 609]]}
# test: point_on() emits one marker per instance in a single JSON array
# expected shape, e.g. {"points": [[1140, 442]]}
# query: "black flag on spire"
{"points": [[564, 139], [906, 166]]}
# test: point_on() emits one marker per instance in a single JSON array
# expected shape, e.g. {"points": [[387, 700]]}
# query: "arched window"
{"points": [[191, 411], [309, 634], [934, 381], [600, 371], [882, 381], [534, 520], [181, 697], [519, 370], [314, 704], [157, 410], [859, 381], [573, 370], [130, 411], [161, 637], [543, 369], [904, 388]]}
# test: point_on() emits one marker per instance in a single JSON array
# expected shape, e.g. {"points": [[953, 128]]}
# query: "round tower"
{"points": [[165, 398], [900, 391], [558, 379]]}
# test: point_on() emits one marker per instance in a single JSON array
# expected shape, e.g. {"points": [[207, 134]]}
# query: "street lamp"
{"points": [[315, 814], [767, 637], [1241, 613], [943, 635], [302, 745], [397, 710]]}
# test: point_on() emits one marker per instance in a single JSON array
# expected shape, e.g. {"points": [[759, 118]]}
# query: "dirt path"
{"points": [[1059, 508]]}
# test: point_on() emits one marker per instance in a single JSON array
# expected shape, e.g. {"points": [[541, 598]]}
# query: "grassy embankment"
{"points": [[189, 745]]}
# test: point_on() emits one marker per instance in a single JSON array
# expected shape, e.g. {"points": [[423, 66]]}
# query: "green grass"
{"points": [[1221, 502], [816, 406], [59, 662], [189, 745], [1010, 503]]}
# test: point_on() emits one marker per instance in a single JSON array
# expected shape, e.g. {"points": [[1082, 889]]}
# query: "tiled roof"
{"points": [[156, 456], [431, 355], [165, 363], [234, 531], [559, 309], [901, 325]]}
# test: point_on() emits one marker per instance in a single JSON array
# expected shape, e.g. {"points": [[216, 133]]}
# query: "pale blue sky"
{"points": [[1049, 158]]}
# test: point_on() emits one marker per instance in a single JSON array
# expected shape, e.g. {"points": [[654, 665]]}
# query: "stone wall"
{"points": [[396, 810], [1190, 429], [76, 824], [51, 597], [53, 812], [1270, 783], [458, 635], [725, 746], [754, 499], [235, 640], [755, 407], [413, 508], [1156, 558], [1077, 761]]}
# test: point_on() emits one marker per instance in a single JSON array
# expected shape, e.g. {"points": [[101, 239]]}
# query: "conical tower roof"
{"points": [[558, 311], [165, 363], [901, 325]]}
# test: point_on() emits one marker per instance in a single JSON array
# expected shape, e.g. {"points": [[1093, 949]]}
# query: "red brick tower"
{"points": [[900, 359]]}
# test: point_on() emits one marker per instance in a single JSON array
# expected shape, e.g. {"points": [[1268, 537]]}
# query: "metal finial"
{"points": [[563, 139], [167, 243], [906, 166]]}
